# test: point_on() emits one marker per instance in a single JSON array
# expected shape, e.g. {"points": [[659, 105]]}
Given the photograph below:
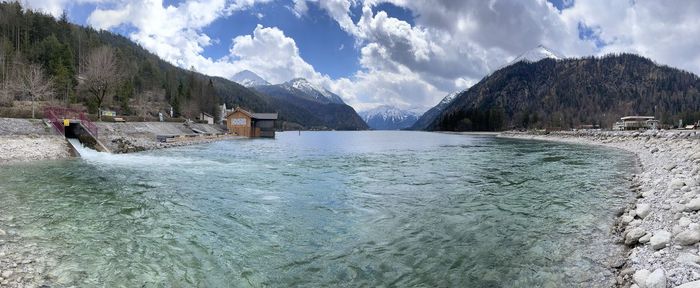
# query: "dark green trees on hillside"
{"points": [[97, 68], [562, 94]]}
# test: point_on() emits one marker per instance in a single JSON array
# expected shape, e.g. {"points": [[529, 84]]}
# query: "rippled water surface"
{"points": [[325, 209]]}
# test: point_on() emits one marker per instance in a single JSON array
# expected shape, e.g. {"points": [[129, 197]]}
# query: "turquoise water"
{"points": [[325, 209]]}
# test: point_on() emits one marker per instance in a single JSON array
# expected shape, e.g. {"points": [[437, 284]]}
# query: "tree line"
{"points": [[47, 59]]}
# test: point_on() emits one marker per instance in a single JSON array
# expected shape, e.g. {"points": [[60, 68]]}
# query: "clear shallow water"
{"points": [[325, 209]]}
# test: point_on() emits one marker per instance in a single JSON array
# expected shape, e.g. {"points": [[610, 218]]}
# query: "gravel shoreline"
{"points": [[21, 148], [662, 228]]}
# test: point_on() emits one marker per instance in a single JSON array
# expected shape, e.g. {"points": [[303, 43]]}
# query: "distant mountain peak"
{"points": [[315, 91], [536, 54], [387, 117], [248, 78]]}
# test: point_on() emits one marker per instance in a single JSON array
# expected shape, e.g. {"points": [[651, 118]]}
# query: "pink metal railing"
{"points": [[91, 127], [55, 115], [50, 115]]}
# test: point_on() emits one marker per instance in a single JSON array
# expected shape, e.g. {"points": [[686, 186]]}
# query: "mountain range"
{"points": [[303, 104], [387, 117], [539, 89]]}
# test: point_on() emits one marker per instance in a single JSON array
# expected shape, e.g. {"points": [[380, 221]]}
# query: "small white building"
{"points": [[206, 117], [223, 113]]}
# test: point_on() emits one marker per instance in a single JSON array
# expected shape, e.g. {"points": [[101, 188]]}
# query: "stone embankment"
{"points": [[662, 227], [30, 139], [141, 136], [25, 140]]}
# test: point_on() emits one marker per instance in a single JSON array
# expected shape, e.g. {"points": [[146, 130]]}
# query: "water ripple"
{"points": [[325, 209]]}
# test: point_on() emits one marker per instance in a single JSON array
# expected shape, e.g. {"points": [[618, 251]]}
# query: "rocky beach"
{"points": [[662, 227]]}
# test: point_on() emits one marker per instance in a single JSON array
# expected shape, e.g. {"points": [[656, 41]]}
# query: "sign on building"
{"points": [[238, 121]]}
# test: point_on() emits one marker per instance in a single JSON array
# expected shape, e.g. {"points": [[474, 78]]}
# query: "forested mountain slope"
{"points": [[567, 93]]}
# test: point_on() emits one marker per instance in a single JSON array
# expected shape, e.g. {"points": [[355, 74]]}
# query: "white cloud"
{"points": [[271, 54], [337, 9], [174, 33], [54, 7], [454, 43], [666, 32], [448, 46]]}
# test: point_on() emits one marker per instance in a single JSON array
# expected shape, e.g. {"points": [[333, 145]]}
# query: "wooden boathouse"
{"points": [[245, 123]]}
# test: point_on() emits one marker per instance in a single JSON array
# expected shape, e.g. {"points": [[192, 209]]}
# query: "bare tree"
{"points": [[4, 92], [30, 82], [100, 75]]}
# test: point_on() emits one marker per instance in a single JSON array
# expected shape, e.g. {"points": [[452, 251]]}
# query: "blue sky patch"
{"points": [[586, 32]]}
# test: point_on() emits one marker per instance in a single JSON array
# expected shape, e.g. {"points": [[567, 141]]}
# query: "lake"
{"points": [[324, 209]]}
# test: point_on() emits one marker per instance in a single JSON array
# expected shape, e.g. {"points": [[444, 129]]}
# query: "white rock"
{"points": [[688, 258], [633, 235], [640, 277], [660, 239], [693, 205], [2, 232], [632, 213], [694, 226], [677, 184], [626, 219], [688, 237], [6, 274], [694, 284], [684, 221], [643, 210], [656, 279], [645, 238]]}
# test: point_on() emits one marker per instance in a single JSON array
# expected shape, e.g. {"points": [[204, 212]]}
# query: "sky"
{"points": [[405, 53]]}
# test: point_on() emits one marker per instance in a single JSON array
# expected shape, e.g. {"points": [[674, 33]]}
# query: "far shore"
{"points": [[662, 227], [485, 133]]}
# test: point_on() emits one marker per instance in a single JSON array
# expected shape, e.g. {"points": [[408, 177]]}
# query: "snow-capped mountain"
{"points": [[536, 54], [313, 91], [387, 117], [428, 117], [249, 79], [311, 106], [448, 99]]}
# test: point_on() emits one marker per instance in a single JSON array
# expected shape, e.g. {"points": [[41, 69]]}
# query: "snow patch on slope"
{"points": [[248, 78], [536, 54], [315, 91]]}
